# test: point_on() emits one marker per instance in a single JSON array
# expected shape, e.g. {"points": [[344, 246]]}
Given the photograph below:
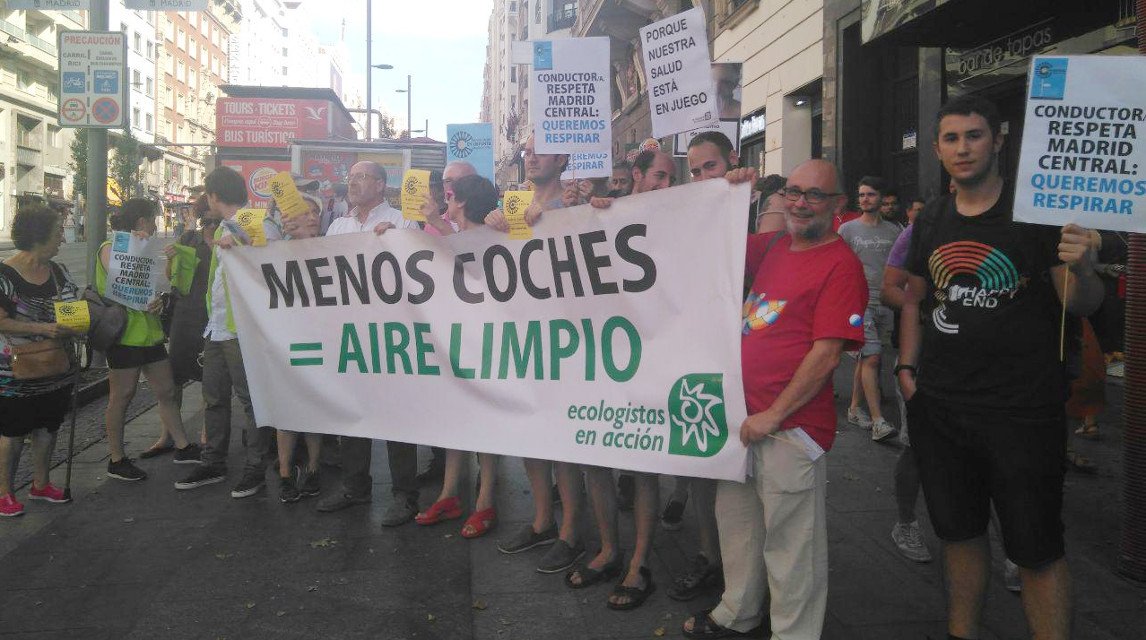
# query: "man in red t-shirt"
{"points": [[805, 308]]}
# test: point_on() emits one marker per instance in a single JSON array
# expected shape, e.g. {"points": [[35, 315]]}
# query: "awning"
{"points": [[966, 23]]}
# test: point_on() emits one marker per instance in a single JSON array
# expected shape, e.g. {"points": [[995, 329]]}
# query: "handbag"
{"points": [[108, 321], [43, 358]]}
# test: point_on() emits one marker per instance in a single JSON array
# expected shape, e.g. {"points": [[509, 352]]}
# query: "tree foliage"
{"points": [[79, 162]]}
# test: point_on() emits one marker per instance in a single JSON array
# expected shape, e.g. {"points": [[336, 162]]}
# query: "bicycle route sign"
{"points": [[93, 79]]}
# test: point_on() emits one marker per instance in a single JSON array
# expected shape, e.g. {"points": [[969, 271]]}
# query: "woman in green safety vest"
{"points": [[139, 349]]}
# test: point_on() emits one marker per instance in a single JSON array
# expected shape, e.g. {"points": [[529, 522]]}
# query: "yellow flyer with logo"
{"points": [[514, 205], [251, 220], [73, 315], [415, 192], [287, 197]]}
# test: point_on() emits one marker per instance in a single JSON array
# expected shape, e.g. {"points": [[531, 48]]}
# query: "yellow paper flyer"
{"points": [[514, 205], [73, 315], [415, 192], [251, 220], [287, 196]]}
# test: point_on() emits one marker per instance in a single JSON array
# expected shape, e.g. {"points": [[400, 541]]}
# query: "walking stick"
{"points": [[72, 431]]}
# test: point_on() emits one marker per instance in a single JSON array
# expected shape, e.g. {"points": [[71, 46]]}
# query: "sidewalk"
{"points": [[145, 561]]}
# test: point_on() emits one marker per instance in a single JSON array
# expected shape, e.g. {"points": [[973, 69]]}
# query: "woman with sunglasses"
{"points": [[190, 314], [468, 203]]}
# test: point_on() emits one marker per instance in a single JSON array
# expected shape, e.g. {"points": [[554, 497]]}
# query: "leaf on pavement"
{"points": [[480, 605]]}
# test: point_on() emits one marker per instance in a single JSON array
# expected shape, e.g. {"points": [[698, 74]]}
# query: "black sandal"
{"points": [[702, 577], [635, 595], [703, 626], [591, 576]]}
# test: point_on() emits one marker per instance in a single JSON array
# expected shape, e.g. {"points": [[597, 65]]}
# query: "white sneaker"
{"points": [[859, 418], [882, 430], [1011, 578], [908, 539]]}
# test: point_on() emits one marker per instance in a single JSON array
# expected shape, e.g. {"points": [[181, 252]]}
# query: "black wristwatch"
{"points": [[905, 367]]}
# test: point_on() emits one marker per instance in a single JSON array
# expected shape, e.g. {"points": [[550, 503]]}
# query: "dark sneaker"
{"points": [[201, 477], [251, 484], [560, 557], [702, 576], [673, 517], [125, 470], [288, 490], [342, 500], [187, 455], [307, 482], [526, 538], [401, 511]]}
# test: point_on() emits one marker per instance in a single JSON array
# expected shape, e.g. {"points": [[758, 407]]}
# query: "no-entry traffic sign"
{"points": [[93, 70]]}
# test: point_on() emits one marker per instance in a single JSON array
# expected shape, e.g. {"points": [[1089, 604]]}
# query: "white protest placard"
{"points": [[592, 342], [167, 5], [50, 5], [133, 271], [1083, 160], [570, 97], [93, 79], [589, 165], [682, 96]]}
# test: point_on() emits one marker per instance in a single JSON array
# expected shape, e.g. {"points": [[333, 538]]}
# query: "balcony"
{"points": [[42, 44], [11, 29], [27, 156], [562, 18]]}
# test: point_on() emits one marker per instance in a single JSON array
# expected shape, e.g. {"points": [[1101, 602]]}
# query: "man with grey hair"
{"points": [[805, 307], [367, 192]]}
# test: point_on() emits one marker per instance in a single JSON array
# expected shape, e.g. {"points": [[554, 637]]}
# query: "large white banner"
{"points": [[682, 96], [1082, 159], [133, 270], [609, 338], [570, 98]]}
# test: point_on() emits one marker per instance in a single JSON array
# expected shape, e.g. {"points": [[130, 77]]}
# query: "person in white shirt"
{"points": [[367, 192]]}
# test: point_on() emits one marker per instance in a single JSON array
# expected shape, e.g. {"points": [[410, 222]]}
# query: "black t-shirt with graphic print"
{"points": [[991, 315]]}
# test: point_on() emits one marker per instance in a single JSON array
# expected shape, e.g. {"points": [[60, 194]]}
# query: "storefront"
{"points": [[949, 48], [752, 129]]}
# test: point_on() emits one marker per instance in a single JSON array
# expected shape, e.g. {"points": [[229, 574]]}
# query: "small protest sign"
{"points": [[287, 196], [251, 222], [133, 270], [570, 96], [415, 192], [73, 315], [1082, 160], [514, 205], [682, 96]]}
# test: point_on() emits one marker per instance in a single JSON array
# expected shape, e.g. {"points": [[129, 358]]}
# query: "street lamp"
{"points": [[408, 92], [369, 108]]}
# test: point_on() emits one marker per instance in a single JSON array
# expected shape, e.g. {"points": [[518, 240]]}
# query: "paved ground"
{"points": [[144, 561]]}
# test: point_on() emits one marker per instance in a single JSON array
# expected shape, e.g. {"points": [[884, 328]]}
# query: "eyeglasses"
{"points": [[812, 196]]}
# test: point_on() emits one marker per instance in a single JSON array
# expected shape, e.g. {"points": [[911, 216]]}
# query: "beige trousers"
{"points": [[774, 539]]}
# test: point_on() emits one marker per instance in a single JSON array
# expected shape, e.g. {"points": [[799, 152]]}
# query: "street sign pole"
{"points": [[95, 225]]}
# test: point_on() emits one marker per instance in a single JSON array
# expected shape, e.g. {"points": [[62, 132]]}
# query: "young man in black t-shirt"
{"points": [[980, 369]]}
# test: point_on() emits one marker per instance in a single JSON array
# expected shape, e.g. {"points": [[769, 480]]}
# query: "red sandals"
{"points": [[479, 523], [447, 509]]}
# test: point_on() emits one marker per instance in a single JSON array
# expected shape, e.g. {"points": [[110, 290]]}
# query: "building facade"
{"points": [[34, 149], [193, 64]]}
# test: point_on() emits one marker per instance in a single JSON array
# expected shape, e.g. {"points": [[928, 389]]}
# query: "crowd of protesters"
{"points": [[981, 390]]}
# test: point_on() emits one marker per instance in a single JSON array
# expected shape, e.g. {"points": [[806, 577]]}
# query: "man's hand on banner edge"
{"points": [[758, 426], [496, 220], [599, 202], [533, 213], [226, 242], [743, 174], [382, 227]]}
